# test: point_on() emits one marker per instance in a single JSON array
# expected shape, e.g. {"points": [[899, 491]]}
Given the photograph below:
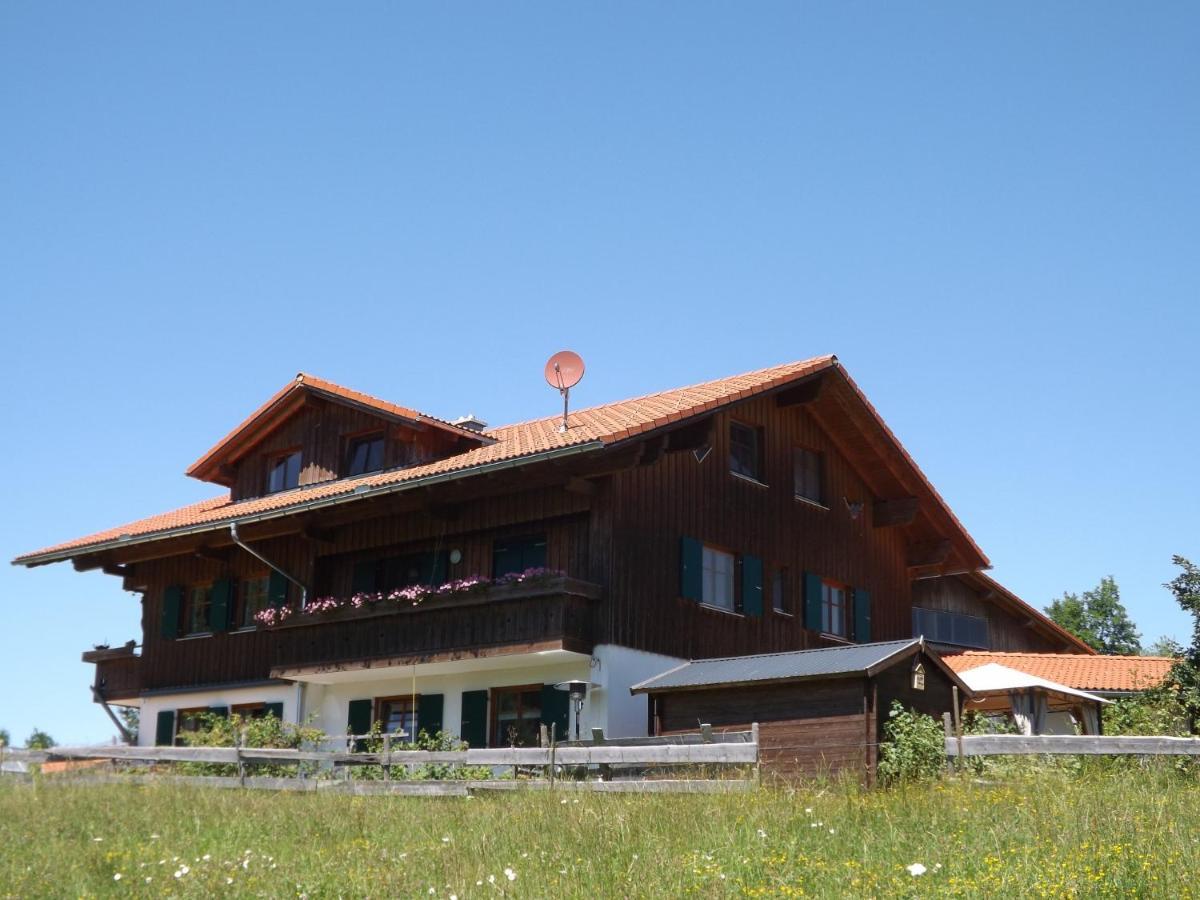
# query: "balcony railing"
{"points": [[118, 671]]}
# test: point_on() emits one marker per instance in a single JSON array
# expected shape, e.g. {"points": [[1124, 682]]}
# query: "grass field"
{"points": [[1127, 835]]}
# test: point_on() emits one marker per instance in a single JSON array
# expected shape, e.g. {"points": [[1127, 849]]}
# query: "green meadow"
{"points": [[1128, 833]]}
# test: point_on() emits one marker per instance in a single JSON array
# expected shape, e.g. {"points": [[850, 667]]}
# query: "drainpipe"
{"points": [[233, 533]]}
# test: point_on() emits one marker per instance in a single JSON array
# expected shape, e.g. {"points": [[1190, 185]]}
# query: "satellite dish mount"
{"points": [[563, 371]]}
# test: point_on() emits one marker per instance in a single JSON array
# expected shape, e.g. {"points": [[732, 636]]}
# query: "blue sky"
{"points": [[989, 212]]}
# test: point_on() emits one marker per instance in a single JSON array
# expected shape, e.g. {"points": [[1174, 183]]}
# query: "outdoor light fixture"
{"points": [[577, 691]]}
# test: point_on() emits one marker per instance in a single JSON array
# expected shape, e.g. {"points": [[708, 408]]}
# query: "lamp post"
{"points": [[576, 690]]}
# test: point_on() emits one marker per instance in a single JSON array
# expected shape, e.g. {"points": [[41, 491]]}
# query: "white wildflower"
{"points": [[831, 831], [808, 809], [762, 834], [206, 857], [117, 876], [510, 874], [229, 881], [491, 879], [432, 890], [97, 840], [149, 878], [445, 839], [916, 869]]}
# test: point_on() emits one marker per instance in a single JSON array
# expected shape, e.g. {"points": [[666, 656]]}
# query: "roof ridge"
{"points": [[905, 641]]}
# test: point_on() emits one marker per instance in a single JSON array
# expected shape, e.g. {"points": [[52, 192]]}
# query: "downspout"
{"points": [[233, 533]]}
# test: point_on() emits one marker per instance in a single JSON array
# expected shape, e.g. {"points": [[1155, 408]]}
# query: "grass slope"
{"points": [[1134, 834]]}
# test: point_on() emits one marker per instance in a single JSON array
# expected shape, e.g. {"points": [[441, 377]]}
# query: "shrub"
{"points": [[269, 731], [913, 747]]}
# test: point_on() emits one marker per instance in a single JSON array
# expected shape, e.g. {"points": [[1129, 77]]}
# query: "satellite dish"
{"points": [[563, 371]]}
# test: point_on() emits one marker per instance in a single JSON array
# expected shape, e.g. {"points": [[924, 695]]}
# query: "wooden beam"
{"points": [[118, 571], [692, 436], [933, 553], [580, 486], [87, 563], [317, 535], [652, 450], [805, 392], [212, 553], [897, 511]]}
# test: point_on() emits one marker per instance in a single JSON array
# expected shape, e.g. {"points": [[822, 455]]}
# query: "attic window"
{"points": [[745, 451], [284, 472], [365, 454]]}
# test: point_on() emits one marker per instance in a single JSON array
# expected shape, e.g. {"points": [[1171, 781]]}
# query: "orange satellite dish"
{"points": [[563, 371]]}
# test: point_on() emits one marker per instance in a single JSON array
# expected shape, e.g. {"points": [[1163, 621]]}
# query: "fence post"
{"points": [[957, 724], [757, 754], [553, 748], [387, 757], [599, 741], [241, 765]]}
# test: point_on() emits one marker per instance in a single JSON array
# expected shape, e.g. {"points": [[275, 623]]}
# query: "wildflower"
{"points": [[479, 884], [445, 839], [510, 874], [97, 840], [229, 881], [149, 878], [206, 857], [831, 831], [808, 809], [762, 834], [154, 837], [916, 869], [432, 890], [491, 879], [117, 876]]}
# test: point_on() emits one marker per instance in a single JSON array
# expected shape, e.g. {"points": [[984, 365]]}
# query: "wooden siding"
{"points": [[119, 678], [652, 507], [1005, 631]]}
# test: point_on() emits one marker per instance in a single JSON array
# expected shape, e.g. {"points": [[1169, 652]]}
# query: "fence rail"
{"points": [[1069, 745]]}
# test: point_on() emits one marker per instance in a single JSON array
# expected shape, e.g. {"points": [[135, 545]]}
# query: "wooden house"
{"points": [[365, 561]]}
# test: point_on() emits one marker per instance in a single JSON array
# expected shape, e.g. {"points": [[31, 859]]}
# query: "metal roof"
{"points": [[829, 662]]}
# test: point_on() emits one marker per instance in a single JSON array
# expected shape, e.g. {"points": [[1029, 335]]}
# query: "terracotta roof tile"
{"points": [[605, 424], [1075, 670]]}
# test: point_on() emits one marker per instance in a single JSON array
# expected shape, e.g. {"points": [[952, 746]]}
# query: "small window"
{"points": [[365, 455], [514, 555], [745, 451], [189, 721], [253, 596], [398, 716], [198, 619], [250, 710], [284, 472], [779, 592], [718, 585], [516, 716], [807, 466], [833, 609]]}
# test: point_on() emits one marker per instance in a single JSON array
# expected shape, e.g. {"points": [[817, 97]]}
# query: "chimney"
{"points": [[470, 423]]}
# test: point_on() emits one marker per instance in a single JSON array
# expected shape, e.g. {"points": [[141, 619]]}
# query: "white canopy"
{"points": [[994, 677]]}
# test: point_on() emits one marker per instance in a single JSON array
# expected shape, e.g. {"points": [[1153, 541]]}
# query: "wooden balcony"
{"points": [[118, 672], [551, 613]]}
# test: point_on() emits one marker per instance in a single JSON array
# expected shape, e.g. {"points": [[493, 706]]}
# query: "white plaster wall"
{"points": [[272, 693], [616, 669]]}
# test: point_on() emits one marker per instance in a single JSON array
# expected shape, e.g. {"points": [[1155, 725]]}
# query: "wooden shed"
{"points": [[819, 712]]}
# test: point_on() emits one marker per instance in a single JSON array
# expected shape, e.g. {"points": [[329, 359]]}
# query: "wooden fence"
{"points": [[1069, 745]]}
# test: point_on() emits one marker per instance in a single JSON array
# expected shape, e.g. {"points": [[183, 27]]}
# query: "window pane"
{"points": [[514, 555], [807, 469], [399, 717], [718, 578], [779, 591], [743, 450], [366, 455], [254, 593], [199, 602]]}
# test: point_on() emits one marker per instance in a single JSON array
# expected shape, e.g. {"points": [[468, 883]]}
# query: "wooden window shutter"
{"points": [[221, 610], [164, 728], [556, 711], [363, 579], [862, 616], [359, 718], [171, 607], [277, 589], [441, 569], [474, 727], [812, 601], [429, 713], [274, 709], [691, 569], [752, 586]]}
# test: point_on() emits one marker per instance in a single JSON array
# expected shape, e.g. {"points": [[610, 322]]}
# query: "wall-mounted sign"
{"points": [[918, 677]]}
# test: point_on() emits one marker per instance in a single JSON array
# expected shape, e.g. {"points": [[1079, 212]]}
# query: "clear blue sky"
{"points": [[991, 213]]}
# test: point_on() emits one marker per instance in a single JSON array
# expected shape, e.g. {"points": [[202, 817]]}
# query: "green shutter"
{"points": [[222, 711], [277, 590], [691, 569], [812, 601], [363, 579], [275, 709], [359, 720], [441, 568], [862, 616], [429, 714], [164, 728], [474, 726], [556, 706], [171, 606], [752, 586], [221, 611]]}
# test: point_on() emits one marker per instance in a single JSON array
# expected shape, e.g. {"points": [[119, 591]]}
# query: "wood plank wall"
{"points": [[1006, 632]]}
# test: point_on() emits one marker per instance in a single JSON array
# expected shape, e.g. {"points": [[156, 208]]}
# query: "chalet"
{"points": [[368, 562]]}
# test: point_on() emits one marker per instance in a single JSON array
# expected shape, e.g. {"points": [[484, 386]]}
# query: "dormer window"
{"points": [[365, 454], [284, 472]]}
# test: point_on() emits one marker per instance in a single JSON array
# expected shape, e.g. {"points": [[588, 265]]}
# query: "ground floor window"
{"points": [[189, 721], [398, 716], [516, 716]]}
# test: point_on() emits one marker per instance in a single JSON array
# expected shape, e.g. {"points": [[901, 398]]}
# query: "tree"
{"points": [[39, 740], [1099, 619], [1185, 674], [5, 740], [1165, 646], [131, 717]]}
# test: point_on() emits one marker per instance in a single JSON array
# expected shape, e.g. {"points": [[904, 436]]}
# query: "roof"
{"points": [[995, 678], [283, 401], [590, 429], [795, 665], [1075, 670]]}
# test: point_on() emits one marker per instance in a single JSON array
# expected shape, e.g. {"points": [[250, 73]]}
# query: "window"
{"points": [[199, 609], [189, 721], [833, 609], [398, 716], [940, 627], [744, 451], [780, 602], [717, 589], [253, 594], [510, 555], [517, 716], [806, 467], [365, 454], [284, 472], [250, 710]]}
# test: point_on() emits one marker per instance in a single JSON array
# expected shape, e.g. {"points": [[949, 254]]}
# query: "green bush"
{"points": [[269, 731], [440, 741], [913, 747]]}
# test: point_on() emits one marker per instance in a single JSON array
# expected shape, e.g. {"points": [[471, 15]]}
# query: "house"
{"points": [[819, 712], [368, 562]]}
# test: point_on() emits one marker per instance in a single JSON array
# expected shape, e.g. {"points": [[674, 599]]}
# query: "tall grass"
{"points": [[1124, 833]]}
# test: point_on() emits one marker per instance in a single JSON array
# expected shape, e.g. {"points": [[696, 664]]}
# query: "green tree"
{"points": [[1165, 646], [39, 740], [1185, 674], [5, 739], [1099, 619], [131, 717]]}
